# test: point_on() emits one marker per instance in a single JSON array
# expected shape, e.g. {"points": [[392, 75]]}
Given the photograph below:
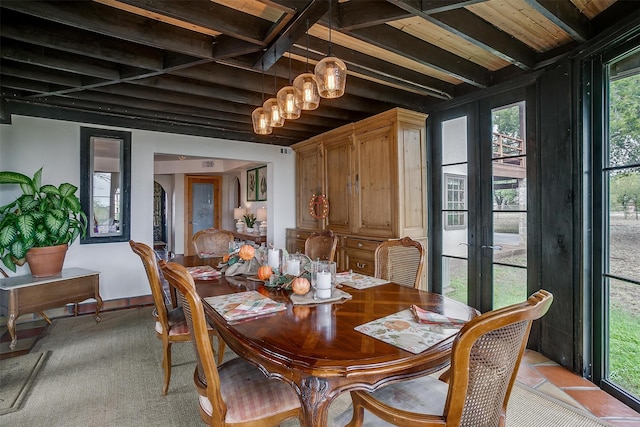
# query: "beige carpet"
{"points": [[109, 374], [17, 375]]}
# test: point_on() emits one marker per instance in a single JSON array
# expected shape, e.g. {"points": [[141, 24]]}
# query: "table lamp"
{"points": [[261, 216], [238, 214]]}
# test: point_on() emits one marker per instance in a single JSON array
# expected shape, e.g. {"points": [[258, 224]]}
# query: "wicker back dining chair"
{"points": [[235, 393], [321, 246], [400, 261], [485, 358], [170, 325], [212, 242]]}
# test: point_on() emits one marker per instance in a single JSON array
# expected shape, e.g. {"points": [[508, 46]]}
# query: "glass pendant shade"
{"points": [[275, 117], [260, 120], [331, 75], [307, 97], [287, 102]]}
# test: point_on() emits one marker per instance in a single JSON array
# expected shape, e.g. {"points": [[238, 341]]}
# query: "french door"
{"points": [[480, 219], [616, 217]]}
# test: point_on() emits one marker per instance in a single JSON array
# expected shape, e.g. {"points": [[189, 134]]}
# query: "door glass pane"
{"points": [[621, 219], [509, 193], [455, 218], [624, 335], [455, 278], [202, 206]]}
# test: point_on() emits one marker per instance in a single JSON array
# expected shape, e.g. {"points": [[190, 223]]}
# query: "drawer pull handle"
{"points": [[360, 245], [360, 265]]}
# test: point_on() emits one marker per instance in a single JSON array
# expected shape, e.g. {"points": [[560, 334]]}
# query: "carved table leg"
{"points": [[316, 400], [11, 326], [98, 307]]}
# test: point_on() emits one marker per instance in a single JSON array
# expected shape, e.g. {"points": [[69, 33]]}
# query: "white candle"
{"points": [[293, 267], [324, 280], [274, 258]]}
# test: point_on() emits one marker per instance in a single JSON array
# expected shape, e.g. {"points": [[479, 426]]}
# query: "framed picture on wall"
{"points": [[262, 183], [252, 185]]}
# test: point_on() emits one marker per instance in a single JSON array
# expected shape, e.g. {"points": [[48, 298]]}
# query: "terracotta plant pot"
{"points": [[46, 261]]}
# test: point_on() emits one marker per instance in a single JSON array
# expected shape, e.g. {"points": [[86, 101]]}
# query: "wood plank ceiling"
{"points": [[201, 67]]}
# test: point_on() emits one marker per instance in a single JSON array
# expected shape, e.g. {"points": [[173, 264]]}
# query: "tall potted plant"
{"points": [[45, 219]]}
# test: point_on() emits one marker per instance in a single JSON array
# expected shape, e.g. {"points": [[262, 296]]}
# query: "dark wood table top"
{"points": [[317, 350]]}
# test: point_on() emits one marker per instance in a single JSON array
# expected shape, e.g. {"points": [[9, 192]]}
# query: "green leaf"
{"points": [[40, 237], [8, 235], [26, 227], [8, 262], [67, 189], [53, 222], [37, 180], [50, 189], [18, 249], [14, 178]]}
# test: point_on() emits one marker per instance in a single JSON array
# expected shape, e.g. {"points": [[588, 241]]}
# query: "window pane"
{"points": [[510, 232], [454, 141], [202, 206]]}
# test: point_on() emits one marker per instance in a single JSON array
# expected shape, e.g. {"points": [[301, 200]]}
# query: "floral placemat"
{"points": [[401, 330], [359, 281], [244, 305], [203, 272], [336, 296]]}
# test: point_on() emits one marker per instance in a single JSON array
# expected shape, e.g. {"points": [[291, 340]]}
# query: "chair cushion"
{"points": [[177, 323], [249, 394], [425, 395]]}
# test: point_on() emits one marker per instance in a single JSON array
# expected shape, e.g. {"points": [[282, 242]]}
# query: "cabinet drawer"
{"points": [[362, 244], [360, 261], [298, 234]]}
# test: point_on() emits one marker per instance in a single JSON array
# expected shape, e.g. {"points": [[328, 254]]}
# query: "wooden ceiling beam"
{"points": [[45, 33], [401, 43], [214, 16], [475, 30], [303, 20], [360, 14], [565, 15], [108, 21], [437, 6]]}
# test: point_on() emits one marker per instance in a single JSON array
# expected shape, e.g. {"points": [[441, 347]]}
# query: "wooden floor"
{"points": [[539, 372]]}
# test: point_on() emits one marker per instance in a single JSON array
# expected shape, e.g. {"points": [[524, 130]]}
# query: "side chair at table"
{"points": [[475, 390], [321, 245], [234, 393], [400, 261], [170, 325], [212, 242]]}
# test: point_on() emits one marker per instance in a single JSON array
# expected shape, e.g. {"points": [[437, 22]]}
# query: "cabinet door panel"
{"points": [[375, 183], [337, 165], [309, 175]]}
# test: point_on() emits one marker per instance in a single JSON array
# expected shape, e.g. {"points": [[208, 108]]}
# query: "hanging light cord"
{"points": [[275, 73], [330, 19], [307, 44], [263, 80]]}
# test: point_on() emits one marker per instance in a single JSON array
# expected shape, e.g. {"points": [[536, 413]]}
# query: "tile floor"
{"points": [[547, 376]]}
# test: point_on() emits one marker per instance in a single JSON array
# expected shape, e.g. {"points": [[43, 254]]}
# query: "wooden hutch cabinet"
{"points": [[373, 173]]}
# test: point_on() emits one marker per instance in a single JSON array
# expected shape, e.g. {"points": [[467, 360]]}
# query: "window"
{"points": [[456, 186]]}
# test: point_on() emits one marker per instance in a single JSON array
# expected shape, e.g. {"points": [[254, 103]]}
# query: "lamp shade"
{"points": [[307, 97], [260, 120], [238, 213], [331, 77], [287, 101], [275, 119], [261, 215]]}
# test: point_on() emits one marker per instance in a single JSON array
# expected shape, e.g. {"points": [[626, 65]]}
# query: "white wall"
{"points": [[30, 143]]}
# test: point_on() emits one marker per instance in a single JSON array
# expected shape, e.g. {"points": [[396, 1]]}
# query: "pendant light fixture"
{"points": [[330, 72], [271, 106], [287, 99], [259, 117], [307, 96]]}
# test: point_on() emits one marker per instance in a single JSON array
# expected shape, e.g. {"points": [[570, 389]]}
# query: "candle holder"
{"points": [[323, 278]]}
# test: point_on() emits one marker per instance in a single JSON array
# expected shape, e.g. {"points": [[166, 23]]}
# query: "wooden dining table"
{"points": [[315, 348]]}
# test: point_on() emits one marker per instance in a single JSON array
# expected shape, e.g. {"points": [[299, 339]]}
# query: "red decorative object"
{"points": [[318, 206]]}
